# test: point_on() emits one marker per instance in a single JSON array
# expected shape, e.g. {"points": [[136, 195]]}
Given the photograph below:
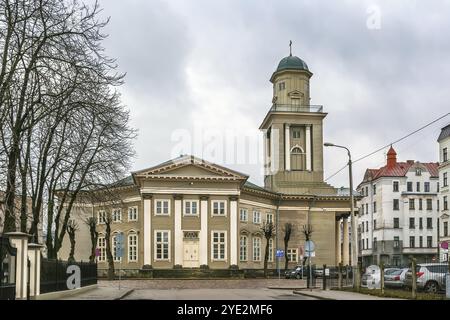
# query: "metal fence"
{"points": [[54, 274], [7, 270]]}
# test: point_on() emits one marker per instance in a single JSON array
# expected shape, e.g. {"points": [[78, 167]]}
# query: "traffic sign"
{"points": [[309, 254], [309, 246], [280, 253], [119, 245]]}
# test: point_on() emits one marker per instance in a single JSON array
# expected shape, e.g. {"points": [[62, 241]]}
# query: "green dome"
{"points": [[292, 62]]}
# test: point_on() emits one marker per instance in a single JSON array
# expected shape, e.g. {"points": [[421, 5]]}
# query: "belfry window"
{"points": [[297, 159], [281, 86]]}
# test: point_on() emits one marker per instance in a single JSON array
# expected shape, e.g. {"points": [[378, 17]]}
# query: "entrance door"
{"points": [[191, 259]]}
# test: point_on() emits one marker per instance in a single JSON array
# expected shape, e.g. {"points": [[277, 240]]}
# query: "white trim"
{"points": [[296, 146], [137, 213], [293, 250], [162, 200], [203, 232], [287, 154], [197, 191], [191, 214], [134, 234], [308, 148], [246, 214], [132, 199], [253, 217], [233, 232], [257, 204], [241, 246], [225, 242], [147, 232], [253, 248], [113, 215], [155, 245], [224, 208], [178, 234]]}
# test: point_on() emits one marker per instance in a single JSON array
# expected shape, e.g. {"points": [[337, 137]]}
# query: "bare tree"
{"points": [[307, 230], [108, 239], [288, 226], [92, 223], [268, 229], [72, 228]]}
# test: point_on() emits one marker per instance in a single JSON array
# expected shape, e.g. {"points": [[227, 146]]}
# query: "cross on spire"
{"points": [[290, 47]]}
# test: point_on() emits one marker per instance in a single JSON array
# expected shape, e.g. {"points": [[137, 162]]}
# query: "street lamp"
{"points": [[352, 215]]}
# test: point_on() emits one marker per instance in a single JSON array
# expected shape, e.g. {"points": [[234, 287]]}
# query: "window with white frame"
{"points": [[162, 207], [191, 207], [132, 247], [218, 245], [117, 215], [162, 244], [101, 246], [132, 213], [116, 248], [292, 255], [256, 249], [270, 258], [269, 218], [243, 215], [218, 208], [256, 216], [243, 248], [101, 216]]}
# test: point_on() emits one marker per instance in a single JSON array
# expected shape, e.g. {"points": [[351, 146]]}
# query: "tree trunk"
{"points": [[286, 259], [109, 255], [266, 258]]}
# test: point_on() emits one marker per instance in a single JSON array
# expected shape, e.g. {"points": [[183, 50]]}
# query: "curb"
{"points": [[311, 295], [56, 295], [126, 294], [285, 288]]}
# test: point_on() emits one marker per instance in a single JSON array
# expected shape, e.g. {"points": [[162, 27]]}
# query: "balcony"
{"points": [[296, 108]]}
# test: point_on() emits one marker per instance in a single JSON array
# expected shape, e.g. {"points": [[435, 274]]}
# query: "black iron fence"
{"points": [[7, 270], [55, 274]]}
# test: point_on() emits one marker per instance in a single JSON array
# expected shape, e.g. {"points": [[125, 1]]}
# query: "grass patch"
{"points": [[397, 293]]}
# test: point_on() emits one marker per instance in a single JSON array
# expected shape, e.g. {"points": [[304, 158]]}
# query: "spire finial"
{"points": [[290, 47]]}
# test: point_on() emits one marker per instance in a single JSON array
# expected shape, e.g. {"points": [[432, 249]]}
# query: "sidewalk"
{"points": [[101, 293], [338, 295]]}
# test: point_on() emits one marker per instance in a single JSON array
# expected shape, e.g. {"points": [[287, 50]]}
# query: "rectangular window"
{"points": [[256, 249], [243, 248], [191, 207], [102, 249], [420, 241], [427, 187], [411, 204], [117, 215], [269, 218], [132, 213], [412, 243], [115, 249], [296, 133], [374, 224], [396, 205], [420, 223], [409, 186], [374, 245], [411, 223], [281, 86], [429, 241], [418, 186], [362, 209], [444, 155], [270, 258], [292, 255], [418, 171], [243, 215], [444, 199], [218, 208], [367, 226], [218, 245], [429, 223], [446, 229], [395, 186], [101, 217], [162, 207], [256, 217], [367, 243], [420, 204], [396, 223], [132, 247], [429, 204], [444, 179], [162, 245], [396, 242], [374, 207], [374, 189]]}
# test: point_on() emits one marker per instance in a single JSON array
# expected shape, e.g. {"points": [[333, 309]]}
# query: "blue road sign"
{"points": [[280, 253]]}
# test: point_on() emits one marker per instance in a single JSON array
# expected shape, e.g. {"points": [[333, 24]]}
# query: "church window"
{"points": [[281, 86]]}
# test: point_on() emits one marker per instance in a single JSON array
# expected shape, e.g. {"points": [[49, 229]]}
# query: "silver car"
{"points": [[396, 278], [430, 277]]}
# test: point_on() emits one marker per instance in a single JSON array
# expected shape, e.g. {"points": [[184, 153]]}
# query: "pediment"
{"points": [[295, 94], [444, 216], [190, 167]]}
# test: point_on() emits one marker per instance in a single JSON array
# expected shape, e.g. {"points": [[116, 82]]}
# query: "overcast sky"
{"points": [[381, 70]]}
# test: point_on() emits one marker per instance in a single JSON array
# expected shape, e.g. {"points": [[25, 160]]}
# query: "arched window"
{"points": [[297, 158]]}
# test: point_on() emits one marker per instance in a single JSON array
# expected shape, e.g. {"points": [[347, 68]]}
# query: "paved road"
{"points": [[215, 294]]}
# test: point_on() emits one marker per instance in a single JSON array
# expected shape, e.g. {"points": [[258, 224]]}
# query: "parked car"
{"points": [[371, 278], [430, 277], [318, 273], [395, 278], [388, 271], [297, 273]]}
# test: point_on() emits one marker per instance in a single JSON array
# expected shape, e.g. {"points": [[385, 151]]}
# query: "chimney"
{"points": [[391, 158]]}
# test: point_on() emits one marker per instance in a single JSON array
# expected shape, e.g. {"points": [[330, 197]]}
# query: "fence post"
{"points": [[414, 278], [324, 278], [340, 275], [382, 278]]}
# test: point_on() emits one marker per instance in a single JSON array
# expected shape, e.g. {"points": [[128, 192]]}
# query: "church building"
{"points": [[190, 213]]}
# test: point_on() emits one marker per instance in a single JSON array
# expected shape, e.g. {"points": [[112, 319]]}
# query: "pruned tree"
{"points": [[72, 228], [268, 229], [288, 229], [108, 239], [307, 230], [92, 224]]}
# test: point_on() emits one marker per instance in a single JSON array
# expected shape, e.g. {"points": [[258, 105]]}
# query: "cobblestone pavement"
{"points": [[206, 283]]}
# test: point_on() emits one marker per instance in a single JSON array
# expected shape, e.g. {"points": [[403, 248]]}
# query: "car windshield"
{"points": [[391, 271], [397, 272]]}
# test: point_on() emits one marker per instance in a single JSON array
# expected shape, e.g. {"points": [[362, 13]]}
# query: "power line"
{"points": [[389, 144]]}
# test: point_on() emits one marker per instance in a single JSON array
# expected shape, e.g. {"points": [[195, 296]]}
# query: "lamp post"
{"points": [[352, 216]]}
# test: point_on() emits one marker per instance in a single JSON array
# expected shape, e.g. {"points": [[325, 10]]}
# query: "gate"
{"points": [[7, 270]]}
